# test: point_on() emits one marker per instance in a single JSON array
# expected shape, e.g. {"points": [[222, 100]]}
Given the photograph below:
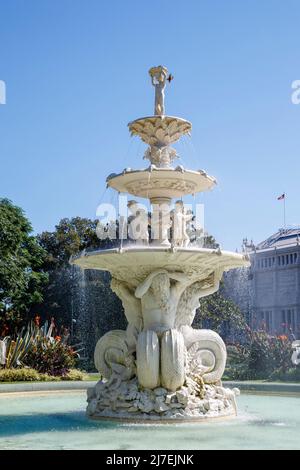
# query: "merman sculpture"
{"points": [[161, 368]]}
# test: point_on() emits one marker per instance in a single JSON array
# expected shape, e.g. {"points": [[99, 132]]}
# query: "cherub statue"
{"points": [[180, 218], [138, 223]]}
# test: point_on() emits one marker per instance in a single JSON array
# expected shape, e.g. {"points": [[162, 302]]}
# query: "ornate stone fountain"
{"points": [[161, 368]]}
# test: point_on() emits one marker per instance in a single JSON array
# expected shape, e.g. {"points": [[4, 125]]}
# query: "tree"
{"points": [[210, 242], [216, 311], [77, 299], [221, 315], [69, 238], [22, 277]]}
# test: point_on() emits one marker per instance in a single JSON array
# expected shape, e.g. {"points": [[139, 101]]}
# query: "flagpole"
{"points": [[280, 198], [284, 214]]}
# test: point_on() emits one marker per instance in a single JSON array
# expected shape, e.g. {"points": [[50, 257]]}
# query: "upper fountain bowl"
{"points": [[160, 131], [161, 182]]}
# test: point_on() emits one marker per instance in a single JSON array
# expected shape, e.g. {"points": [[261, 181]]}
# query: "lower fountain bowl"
{"points": [[133, 264]]}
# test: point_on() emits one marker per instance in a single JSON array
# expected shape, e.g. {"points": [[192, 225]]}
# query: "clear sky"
{"points": [[76, 73]]}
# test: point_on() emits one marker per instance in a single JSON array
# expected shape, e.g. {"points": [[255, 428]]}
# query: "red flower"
{"points": [[283, 337], [5, 330]]}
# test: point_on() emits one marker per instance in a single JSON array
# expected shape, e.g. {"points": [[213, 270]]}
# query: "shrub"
{"points": [[19, 375], [262, 357], [290, 375], [75, 374], [51, 357], [37, 347], [26, 374]]}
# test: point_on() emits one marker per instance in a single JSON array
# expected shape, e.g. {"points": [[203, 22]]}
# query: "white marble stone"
{"points": [[161, 367], [296, 353], [157, 403]]}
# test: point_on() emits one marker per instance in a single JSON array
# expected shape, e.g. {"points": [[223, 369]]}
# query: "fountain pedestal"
{"points": [[161, 368]]}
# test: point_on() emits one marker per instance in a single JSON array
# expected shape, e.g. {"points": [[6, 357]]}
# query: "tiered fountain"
{"points": [[161, 368]]}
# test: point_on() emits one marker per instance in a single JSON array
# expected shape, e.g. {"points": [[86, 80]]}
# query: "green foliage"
{"points": [[210, 242], [62, 294], [69, 238], [19, 375], [27, 374], [75, 374], [17, 349], [50, 357], [21, 259], [290, 375], [37, 348], [221, 314], [262, 357]]}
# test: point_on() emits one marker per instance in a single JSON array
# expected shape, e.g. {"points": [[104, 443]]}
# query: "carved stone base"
{"points": [[130, 402]]}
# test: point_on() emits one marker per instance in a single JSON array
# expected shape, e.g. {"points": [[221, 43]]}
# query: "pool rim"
{"points": [[261, 388]]}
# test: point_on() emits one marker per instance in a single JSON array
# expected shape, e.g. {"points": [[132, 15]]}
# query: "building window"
{"points": [[288, 320], [264, 320], [268, 320]]}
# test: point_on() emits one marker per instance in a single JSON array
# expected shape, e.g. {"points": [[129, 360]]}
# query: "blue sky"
{"points": [[77, 72]]}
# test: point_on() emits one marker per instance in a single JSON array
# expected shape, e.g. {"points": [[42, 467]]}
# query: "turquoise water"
{"points": [[58, 421]]}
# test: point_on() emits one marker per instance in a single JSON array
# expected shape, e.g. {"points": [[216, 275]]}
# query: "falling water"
{"points": [[94, 308], [238, 287]]}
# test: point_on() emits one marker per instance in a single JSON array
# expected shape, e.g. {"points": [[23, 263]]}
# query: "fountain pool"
{"points": [[57, 420]]}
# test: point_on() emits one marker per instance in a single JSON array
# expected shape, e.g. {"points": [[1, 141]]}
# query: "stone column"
{"points": [[160, 221]]}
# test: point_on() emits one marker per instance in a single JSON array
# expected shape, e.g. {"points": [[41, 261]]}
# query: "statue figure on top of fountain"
{"points": [[159, 78], [160, 154]]}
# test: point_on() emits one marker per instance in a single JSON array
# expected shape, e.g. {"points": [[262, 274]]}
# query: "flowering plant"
{"points": [[37, 347], [262, 356]]}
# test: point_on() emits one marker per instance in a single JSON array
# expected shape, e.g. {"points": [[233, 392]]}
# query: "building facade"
{"points": [[275, 279]]}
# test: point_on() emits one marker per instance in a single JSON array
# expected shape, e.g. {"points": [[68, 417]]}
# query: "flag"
{"points": [[281, 197]]}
